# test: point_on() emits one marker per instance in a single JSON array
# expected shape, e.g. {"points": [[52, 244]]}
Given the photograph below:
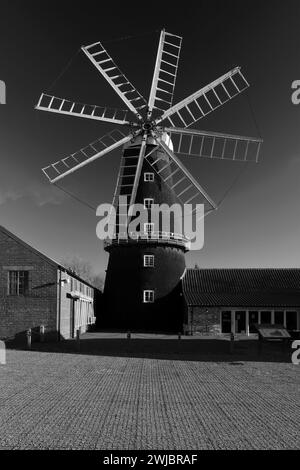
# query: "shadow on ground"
{"points": [[155, 347]]}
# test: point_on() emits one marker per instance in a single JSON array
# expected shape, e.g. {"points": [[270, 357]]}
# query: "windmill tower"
{"points": [[145, 266]]}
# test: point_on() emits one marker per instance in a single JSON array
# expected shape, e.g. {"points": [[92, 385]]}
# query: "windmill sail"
{"points": [[111, 72], [214, 145], [174, 174], [173, 120], [207, 99], [86, 155], [71, 108], [165, 72]]}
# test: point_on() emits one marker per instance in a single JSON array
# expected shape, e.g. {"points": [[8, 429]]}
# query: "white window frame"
{"points": [[148, 296], [146, 202], [148, 177], [17, 274], [148, 261]]}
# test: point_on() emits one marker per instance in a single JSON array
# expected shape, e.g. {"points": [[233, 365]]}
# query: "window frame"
{"points": [[150, 300], [150, 175], [148, 257], [18, 292], [146, 199]]}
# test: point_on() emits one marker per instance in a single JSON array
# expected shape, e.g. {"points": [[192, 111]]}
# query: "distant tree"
{"points": [[83, 269], [98, 281]]}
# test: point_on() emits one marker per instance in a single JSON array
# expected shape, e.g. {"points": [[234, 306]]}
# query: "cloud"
{"points": [[9, 195], [39, 194], [42, 195]]}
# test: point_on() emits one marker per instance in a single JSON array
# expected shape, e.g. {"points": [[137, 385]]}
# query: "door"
{"points": [[240, 321], [226, 322]]}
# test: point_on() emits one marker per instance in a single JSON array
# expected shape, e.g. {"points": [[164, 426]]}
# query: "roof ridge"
{"points": [[43, 255]]}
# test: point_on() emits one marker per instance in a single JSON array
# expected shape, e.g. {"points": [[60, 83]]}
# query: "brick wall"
{"points": [[204, 320], [47, 301], [18, 313]]}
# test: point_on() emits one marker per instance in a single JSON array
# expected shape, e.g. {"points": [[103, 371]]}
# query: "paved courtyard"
{"points": [[148, 393]]}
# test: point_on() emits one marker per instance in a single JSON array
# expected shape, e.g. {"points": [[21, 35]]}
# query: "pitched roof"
{"points": [[242, 287], [43, 256]]}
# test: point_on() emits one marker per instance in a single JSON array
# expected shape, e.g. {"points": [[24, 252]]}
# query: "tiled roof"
{"points": [[242, 287]]}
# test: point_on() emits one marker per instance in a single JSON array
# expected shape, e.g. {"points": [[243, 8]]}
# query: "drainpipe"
{"points": [[59, 305]]}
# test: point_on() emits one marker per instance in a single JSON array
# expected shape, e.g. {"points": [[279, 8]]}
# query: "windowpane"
{"points": [[279, 318], [17, 282], [253, 319], [13, 283], [265, 317], [23, 282], [291, 320], [240, 321], [226, 321]]}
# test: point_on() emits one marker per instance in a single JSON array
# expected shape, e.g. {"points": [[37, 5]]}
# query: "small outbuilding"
{"points": [[235, 300], [37, 291]]}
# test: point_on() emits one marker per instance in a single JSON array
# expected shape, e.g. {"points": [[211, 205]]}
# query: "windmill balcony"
{"points": [[167, 238]]}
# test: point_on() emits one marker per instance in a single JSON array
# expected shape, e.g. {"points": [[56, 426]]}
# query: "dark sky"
{"points": [[258, 223]]}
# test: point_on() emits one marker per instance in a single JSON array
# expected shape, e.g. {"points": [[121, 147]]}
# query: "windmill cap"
{"points": [[150, 141]]}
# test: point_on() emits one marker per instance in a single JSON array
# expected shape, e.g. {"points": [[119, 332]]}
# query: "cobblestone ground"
{"points": [[56, 400]]}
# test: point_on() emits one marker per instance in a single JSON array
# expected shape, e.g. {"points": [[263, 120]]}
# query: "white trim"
{"points": [[247, 326], [233, 321], [148, 202], [272, 317]]}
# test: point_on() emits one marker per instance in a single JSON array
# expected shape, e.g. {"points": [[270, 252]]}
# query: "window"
{"points": [[265, 317], [18, 282], [148, 261], [226, 321], [253, 320], [291, 320], [148, 296], [149, 177], [279, 317], [148, 202], [240, 321], [149, 227]]}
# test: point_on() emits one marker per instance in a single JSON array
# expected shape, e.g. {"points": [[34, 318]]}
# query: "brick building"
{"points": [[35, 291], [234, 300]]}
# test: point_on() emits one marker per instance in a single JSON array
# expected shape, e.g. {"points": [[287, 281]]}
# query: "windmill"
{"points": [[145, 268]]}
